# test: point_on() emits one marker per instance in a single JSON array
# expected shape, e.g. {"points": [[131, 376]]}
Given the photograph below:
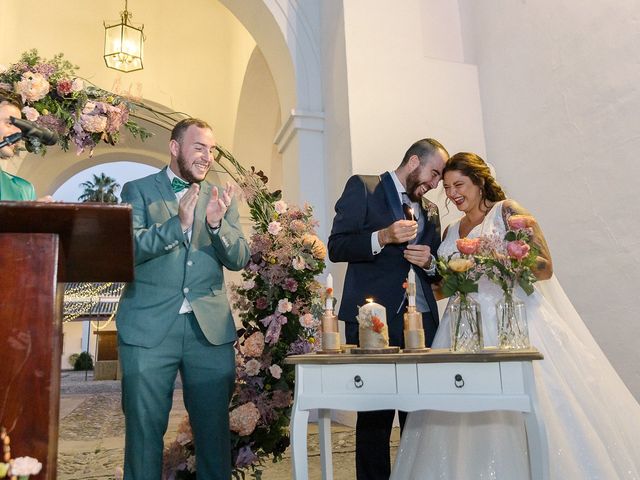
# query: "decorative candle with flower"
{"points": [[413, 330], [373, 331], [460, 274], [330, 332]]}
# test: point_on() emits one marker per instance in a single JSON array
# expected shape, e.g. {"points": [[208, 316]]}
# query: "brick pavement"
{"points": [[92, 434]]}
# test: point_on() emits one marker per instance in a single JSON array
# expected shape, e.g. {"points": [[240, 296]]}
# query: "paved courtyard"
{"points": [[92, 434]]}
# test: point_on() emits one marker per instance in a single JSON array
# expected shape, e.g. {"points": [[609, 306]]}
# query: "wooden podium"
{"points": [[42, 245]]}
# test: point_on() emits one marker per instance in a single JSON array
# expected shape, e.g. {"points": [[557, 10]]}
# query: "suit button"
{"points": [[189, 262], [185, 290]]}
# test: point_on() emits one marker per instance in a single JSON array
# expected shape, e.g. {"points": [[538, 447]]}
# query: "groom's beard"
{"points": [[183, 170], [413, 184]]}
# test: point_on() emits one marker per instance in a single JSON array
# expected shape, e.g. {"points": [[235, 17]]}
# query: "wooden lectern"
{"points": [[42, 245]]}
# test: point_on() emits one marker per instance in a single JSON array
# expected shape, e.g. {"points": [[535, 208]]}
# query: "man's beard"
{"points": [[184, 171], [412, 184]]}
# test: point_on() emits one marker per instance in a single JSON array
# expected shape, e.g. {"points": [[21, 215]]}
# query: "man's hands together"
{"points": [[403, 231]]}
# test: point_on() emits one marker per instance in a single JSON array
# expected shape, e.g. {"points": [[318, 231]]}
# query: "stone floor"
{"points": [[92, 434]]}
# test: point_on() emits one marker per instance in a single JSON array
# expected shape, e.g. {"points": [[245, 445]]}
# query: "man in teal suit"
{"points": [[11, 187], [175, 315]]}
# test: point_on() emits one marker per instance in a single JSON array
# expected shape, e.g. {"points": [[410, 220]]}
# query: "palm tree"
{"points": [[102, 189]]}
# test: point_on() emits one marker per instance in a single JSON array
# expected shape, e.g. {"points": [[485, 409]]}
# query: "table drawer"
{"points": [[359, 379], [462, 378]]}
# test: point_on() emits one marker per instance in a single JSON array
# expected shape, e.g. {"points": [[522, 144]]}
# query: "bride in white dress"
{"points": [[591, 418]]}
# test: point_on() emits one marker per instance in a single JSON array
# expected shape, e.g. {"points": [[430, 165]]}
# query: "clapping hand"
{"points": [[187, 206], [218, 204]]}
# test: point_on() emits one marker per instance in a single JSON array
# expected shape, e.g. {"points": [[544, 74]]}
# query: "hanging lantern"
{"points": [[123, 44]]}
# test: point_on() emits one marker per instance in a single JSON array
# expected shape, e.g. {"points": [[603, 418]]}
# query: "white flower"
{"points": [[307, 320], [89, 107], [284, 305], [275, 371], [32, 87], [118, 473], [274, 228], [3, 68], [248, 284], [25, 466], [252, 367], [280, 206], [298, 263], [77, 85], [30, 114]]}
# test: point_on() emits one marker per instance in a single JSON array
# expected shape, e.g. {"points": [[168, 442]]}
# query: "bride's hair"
{"points": [[474, 167]]}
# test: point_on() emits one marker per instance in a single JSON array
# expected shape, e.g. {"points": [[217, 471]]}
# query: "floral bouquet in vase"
{"points": [[460, 274], [509, 263]]}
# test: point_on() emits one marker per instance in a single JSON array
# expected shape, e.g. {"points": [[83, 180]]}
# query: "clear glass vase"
{"points": [[466, 324], [513, 332]]}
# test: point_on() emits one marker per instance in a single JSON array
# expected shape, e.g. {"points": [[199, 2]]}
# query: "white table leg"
{"points": [[299, 421], [536, 432], [326, 457]]}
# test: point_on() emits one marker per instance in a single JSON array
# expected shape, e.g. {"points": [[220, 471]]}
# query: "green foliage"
{"points": [[84, 362]]}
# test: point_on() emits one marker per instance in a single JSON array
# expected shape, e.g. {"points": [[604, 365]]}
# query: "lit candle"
{"points": [[373, 309], [411, 288], [329, 293]]}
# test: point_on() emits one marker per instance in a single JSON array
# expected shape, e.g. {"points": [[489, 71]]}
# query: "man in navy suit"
{"points": [[372, 233]]}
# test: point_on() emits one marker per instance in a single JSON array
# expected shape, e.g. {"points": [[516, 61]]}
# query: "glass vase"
{"points": [[513, 332], [466, 324]]}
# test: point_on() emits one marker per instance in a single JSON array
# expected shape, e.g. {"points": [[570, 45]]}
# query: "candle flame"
{"points": [[369, 300]]}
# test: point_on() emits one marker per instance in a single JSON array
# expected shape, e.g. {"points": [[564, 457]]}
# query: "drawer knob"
{"points": [[459, 381], [357, 381]]}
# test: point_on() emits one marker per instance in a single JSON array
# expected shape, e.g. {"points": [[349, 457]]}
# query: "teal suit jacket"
{"points": [[168, 267], [15, 188]]}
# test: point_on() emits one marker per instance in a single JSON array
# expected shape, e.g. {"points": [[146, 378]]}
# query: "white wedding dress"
{"points": [[591, 418]]}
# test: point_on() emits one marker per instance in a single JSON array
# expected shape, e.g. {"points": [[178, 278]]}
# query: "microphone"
{"points": [[35, 131]]}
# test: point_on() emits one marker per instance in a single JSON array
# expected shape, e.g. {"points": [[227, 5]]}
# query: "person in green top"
{"points": [[12, 187]]}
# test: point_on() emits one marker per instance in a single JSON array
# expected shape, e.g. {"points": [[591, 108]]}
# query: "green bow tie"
{"points": [[178, 185]]}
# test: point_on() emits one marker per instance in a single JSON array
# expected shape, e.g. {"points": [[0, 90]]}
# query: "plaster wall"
{"points": [[560, 98]]}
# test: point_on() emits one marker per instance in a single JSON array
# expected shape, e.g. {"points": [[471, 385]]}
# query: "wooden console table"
{"points": [[435, 380]]}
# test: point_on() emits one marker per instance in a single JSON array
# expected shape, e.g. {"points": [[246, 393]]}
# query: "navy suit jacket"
{"points": [[370, 203]]}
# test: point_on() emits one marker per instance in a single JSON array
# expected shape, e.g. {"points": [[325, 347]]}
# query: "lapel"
{"points": [[164, 188], [391, 193]]}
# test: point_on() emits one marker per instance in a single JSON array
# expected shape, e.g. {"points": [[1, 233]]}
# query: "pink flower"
{"points": [[274, 228], [518, 222], [93, 123], [307, 320], [77, 85], [30, 114], [518, 249], [254, 345], [281, 399], [280, 206], [64, 87], [243, 419], [252, 367], [32, 87], [468, 246], [248, 284], [275, 371], [284, 305]]}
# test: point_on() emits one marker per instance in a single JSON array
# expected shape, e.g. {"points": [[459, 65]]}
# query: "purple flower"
{"points": [[290, 284], [274, 324], [261, 303], [245, 457]]}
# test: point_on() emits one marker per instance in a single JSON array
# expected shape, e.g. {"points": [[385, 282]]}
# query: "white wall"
{"points": [[560, 96]]}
